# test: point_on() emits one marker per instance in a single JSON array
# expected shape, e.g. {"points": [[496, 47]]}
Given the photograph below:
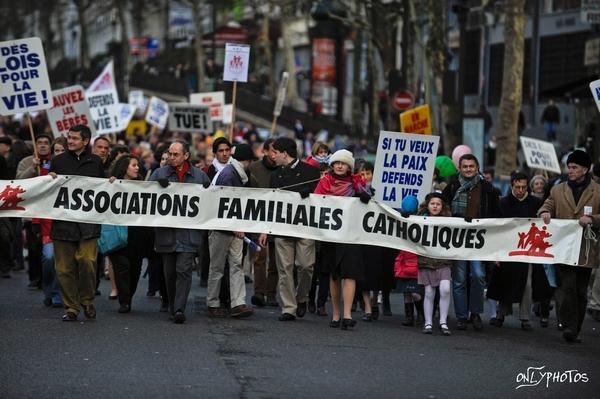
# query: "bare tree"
{"points": [[512, 80], [84, 53], [125, 59], [197, 8]]}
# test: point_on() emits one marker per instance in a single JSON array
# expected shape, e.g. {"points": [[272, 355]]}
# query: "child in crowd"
{"points": [[435, 272], [319, 154], [342, 261]]}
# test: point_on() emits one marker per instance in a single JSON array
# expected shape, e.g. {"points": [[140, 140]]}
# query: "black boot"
{"points": [[420, 313], [409, 315]]}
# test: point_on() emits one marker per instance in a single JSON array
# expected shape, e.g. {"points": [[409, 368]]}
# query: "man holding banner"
{"points": [[178, 246], [579, 199], [75, 244], [471, 197]]}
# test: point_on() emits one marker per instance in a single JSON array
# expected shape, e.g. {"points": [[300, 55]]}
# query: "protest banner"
{"points": [[137, 99], [284, 213], [404, 166], [595, 89], [106, 79], [184, 117], [24, 83], [215, 100], [235, 65], [69, 108], [157, 113], [104, 108], [416, 120], [125, 112], [540, 154]]}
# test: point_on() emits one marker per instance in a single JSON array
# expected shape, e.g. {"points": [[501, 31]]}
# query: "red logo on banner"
{"points": [[533, 243], [10, 198]]}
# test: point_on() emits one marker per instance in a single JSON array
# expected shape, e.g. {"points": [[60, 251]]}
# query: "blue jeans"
{"points": [[550, 128], [474, 299], [49, 280]]}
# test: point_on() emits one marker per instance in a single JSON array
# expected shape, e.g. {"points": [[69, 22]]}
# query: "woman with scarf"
{"points": [[343, 261]]}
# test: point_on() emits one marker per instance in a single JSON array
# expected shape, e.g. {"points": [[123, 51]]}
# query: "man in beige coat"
{"points": [[579, 199]]}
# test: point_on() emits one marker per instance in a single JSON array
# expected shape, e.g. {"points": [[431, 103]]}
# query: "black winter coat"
{"points": [[85, 164], [509, 280], [296, 172]]}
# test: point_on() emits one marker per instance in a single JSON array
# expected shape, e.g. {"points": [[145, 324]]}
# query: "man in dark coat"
{"points": [[75, 244], [511, 281], [470, 197], [293, 175]]}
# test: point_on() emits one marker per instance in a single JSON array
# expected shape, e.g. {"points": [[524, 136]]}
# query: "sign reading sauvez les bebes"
{"points": [[325, 218]]}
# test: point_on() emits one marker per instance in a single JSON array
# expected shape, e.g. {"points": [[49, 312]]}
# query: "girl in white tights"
{"points": [[435, 272]]}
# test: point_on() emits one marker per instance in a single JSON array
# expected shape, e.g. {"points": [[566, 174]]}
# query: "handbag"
{"points": [[112, 238]]}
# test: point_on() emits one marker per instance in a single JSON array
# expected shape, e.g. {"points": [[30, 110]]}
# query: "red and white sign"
{"points": [[69, 108], [215, 100], [237, 57], [403, 100]]}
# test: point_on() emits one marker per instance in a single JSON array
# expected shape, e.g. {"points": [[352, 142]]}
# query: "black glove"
{"points": [[206, 184], [405, 214], [163, 182], [305, 192], [36, 229], [364, 197], [468, 219]]}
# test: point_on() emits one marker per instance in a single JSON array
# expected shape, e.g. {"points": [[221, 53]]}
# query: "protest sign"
{"points": [[540, 154], [281, 94], [106, 79], [158, 112], [227, 109], [404, 166], [137, 98], [284, 213], [236, 62], [185, 117], [104, 110], [125, 112], [24, 83], [136, 127], [215, 100], [595, 88], [416, 120], [69, 108]]}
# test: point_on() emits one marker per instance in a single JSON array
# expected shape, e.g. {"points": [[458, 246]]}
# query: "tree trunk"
{"points": [[512, 77], [288, 52], [374, 125], [166, 21], [436, 54], [84, 56], [357, 105], [266, 57], [137, 17], [197, 8], [61, 34], [125, 59], [45, 22]]}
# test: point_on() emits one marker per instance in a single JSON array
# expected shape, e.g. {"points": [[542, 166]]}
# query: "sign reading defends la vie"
{"points": [[404, 166], [185, 117]]}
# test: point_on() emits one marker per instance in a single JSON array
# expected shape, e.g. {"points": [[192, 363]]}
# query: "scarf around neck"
{"points": [[459, 202]]}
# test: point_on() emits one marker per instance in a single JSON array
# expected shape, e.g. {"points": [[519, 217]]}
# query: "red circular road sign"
{"points": [[403, 100]]}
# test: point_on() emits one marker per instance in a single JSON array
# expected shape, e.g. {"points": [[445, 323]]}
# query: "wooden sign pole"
{"points": [[233, 111]]}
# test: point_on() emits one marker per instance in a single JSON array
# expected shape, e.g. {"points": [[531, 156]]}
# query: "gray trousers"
{"points": [[594, 291], [178, 268], [225, 247]]}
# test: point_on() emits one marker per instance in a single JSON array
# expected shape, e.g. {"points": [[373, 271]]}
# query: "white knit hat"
{"points": [[344, 156]]}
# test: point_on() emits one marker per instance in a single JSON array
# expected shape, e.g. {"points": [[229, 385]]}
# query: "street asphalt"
{"points": [[143, 355]]}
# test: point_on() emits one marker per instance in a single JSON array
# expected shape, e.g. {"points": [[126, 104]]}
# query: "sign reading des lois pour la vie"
{"points": [[24, 83]]}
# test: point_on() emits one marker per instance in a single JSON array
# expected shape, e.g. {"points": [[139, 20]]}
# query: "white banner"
{"points": [[215, 100], [237, 57], [69, 108], [540, 154], [325, 218], [24, 83], [158, 112], [106, 79], [137, 98], [281, 94], [185, 117], [104, 107], [404, 166]]}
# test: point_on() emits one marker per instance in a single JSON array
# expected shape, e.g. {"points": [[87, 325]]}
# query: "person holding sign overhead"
{"points": [[470, 197]]}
